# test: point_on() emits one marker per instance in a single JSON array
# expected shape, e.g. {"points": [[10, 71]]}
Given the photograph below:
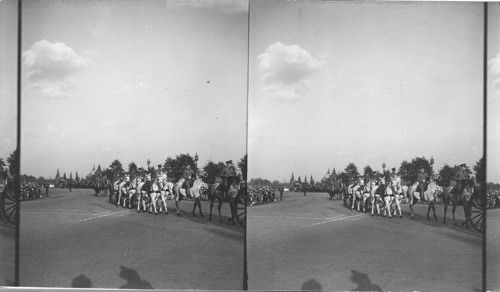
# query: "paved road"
{"points": [[78, 240], [493, 250], [7, 253], [314, 243]]}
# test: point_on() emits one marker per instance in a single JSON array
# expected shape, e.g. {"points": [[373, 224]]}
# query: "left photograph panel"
{"points": [[9, 156], [133, 144]]}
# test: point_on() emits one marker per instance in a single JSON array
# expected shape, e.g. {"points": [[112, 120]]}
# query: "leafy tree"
{"points": [[58, 176], [409, 170], [299, 180], [64, 176], [13, 162], [132, 169], [367, 171], [480, 171], [242, 164], [305, 179], [71, 175], [175, 166], [351, 171], [116, 168], [99, 168], [311, 181], [213, 170], [292, 179], [77, 178], [446, 173]]}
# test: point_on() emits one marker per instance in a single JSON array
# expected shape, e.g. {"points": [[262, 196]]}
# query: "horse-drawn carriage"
{"points": [[477, 208], [9, 202]]}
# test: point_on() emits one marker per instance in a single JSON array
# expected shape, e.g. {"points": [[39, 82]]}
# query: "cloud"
{"points": [[51, 67], [286, 70], [494, 66]]}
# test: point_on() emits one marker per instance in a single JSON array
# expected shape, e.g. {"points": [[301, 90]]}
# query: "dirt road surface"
{"points": [[493, 250], [79, 240], [313, 243]]}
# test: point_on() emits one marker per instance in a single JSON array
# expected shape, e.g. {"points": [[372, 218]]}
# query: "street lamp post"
{"points": [[148, 163], [383, 167]]}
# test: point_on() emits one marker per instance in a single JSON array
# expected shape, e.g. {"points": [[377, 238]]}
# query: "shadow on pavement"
{"points": [[134, 281], [81, 282], [363, 281], [311, 285]]}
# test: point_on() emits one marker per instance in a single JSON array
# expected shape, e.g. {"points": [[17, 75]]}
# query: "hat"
{"points": [[159, 165], [462, 165], [229, 161], [393, 169]]}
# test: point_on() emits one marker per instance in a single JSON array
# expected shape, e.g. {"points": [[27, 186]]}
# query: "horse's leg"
{"points": [[445, 209], [163, 195], [466, 211], [199, 206], [398, 206], [219, 207], [453, 213], [212, 200], [388, 202], [177, 205], [434, 211], [153, 196], [194, 206]]}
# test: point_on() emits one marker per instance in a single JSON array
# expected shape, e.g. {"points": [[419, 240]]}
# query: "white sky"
{"points": [[8, 77], [132, 80], [493, 147], [334, 82]]}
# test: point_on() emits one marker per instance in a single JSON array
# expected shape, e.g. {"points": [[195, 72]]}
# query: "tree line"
{"points": [[407, 170]]}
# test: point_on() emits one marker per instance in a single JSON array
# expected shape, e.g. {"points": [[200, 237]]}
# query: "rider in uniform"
{"points": [[187, 176], [228, 175], [422, 178], [462, 177]]}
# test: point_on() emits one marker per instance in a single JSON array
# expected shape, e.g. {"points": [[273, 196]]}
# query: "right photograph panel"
{"points": [[365, 146], [493, 155]]}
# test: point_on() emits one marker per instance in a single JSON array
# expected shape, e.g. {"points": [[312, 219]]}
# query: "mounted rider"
{"points": [[422, 179], [187, 175], [228, 176], [462, 178]]}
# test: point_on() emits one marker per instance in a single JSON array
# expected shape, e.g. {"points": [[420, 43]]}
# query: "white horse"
{"points": [[193, 192], [430, 195]]}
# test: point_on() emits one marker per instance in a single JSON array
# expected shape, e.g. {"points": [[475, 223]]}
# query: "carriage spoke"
{"points": [[478, 215]]}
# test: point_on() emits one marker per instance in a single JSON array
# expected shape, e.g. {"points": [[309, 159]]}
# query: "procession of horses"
{"points": [[384, 195], [149, 192]]}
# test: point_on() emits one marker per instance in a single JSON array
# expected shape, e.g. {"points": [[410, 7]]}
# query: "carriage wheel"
{"points": [[9, 206], [475, 207], [241, 208]]}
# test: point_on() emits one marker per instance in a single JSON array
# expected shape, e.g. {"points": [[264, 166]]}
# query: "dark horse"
{"points": [[217, 194]]}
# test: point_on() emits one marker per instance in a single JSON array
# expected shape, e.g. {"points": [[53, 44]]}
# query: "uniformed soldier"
{"points": [[228, 176], [187, 176], [462, 177], [422, 178]]}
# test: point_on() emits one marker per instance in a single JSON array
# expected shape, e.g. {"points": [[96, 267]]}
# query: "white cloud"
{"points": [[286, 70], [494, 66], [51, 67]]}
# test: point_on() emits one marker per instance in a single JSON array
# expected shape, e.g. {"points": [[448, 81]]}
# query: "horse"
{"points": [[357, 192], [194, 192], [377, 195], [398, 191], [453, 196], [430, 195]]}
